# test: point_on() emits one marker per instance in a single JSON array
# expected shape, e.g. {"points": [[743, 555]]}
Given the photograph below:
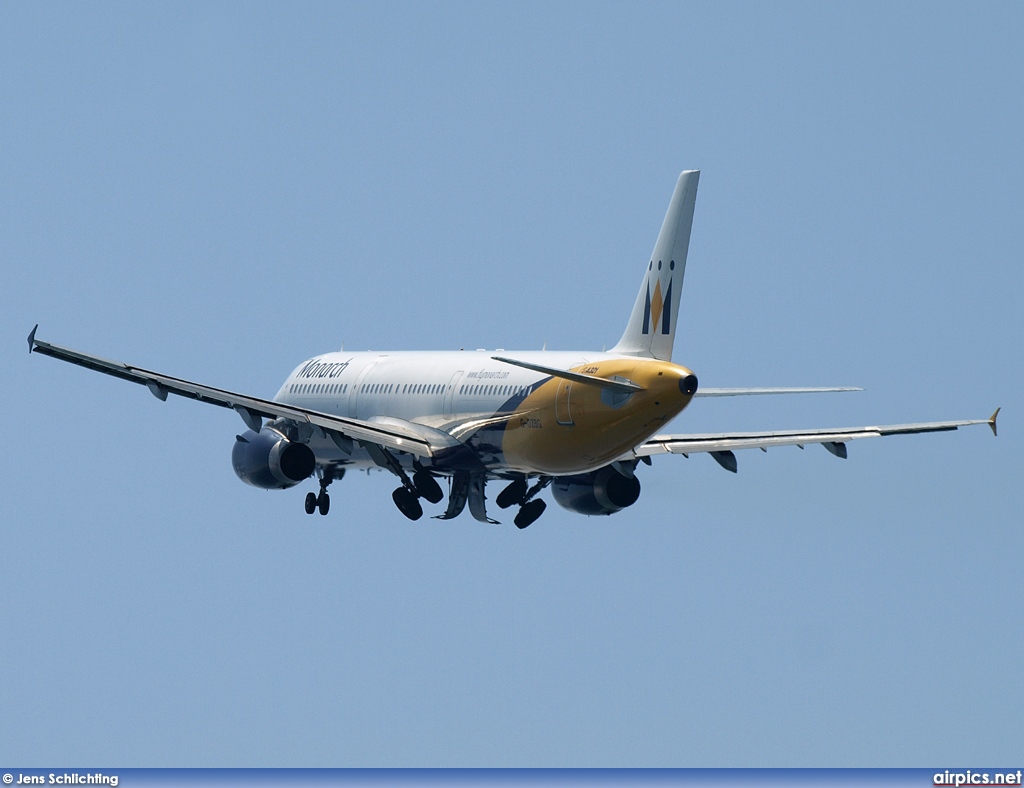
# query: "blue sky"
{"points": [[221, 190]]}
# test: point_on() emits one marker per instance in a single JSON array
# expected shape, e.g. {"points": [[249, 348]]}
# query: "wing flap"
{"points": [[392, 436]]}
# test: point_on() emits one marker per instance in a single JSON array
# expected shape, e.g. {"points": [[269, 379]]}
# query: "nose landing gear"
{"points": [[322, 502]]}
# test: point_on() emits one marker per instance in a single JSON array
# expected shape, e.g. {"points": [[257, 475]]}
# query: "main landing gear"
{"points": [[322, 502], [422, 485], [517, 493]]}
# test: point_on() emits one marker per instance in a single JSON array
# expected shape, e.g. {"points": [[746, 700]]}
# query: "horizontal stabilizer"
{"points": [[708, 392], [577, 377]]}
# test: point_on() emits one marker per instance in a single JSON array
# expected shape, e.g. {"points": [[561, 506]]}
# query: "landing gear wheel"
{"points": [[407, 503], [512, 494], [529, 513], [310, 503], [426, 485], [324, 503]]}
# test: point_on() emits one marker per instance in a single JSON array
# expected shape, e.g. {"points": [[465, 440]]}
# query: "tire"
{"points": [[512, 494], [310, 503], [407, 503], [529, 513], [426, 485], [324, 503]]}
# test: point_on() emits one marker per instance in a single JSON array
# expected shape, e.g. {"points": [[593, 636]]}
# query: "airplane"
{"points": [[580, 422]]}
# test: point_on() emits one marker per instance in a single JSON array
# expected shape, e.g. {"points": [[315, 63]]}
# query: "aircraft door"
{"points": [[449, 394], [355, 397], [563, 408]]}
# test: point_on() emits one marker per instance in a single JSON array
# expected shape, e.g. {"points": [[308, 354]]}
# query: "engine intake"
{"points": [[268, 460], [600, 492]]}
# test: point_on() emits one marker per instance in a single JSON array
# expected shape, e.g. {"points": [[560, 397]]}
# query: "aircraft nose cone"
{"points": [[688, 385]]}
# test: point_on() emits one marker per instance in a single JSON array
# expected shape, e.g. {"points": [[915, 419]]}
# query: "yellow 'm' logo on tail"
{"points": [[658, 309]]}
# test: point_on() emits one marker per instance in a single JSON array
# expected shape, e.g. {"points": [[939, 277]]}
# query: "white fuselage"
{"points": [[475, 399]]}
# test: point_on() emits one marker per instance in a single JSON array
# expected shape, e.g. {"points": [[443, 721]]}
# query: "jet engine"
{"points": [[600, 492], [267, 459]]}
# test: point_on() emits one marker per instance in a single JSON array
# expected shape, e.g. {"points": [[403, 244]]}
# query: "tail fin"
{"points": [[652, 326]]}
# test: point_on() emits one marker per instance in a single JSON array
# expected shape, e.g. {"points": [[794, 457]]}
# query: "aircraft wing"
{"points": [[720, 446], [251, 409]]}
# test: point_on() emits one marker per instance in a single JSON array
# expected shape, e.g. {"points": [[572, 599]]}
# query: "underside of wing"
{"points": [[722, 445], [392, 435]]}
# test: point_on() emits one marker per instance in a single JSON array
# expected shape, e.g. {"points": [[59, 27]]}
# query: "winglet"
{"points": [[992, 420], [32, 339]]}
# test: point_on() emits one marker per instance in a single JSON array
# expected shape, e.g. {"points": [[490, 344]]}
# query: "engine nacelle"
{"points": [[267, 459], [601, 492]]}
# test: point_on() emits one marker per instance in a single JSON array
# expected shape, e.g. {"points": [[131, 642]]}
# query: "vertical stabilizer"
{"points": [[652, 326]]}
